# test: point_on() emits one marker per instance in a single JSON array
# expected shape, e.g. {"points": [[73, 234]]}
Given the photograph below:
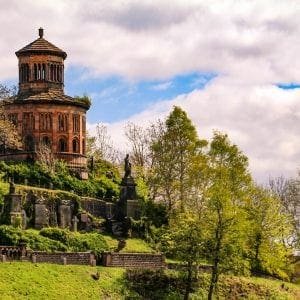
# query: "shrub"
{"points": [[75, 241], [13, 236], [155, 284], [56, 234], [98, 184]]}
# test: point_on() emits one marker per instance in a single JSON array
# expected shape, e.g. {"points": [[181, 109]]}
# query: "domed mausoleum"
{"points": [[41, 111]]}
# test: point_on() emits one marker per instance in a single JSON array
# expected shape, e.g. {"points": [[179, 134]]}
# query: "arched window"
{"points": [[62, 145], [57, 73], [28, 122], [35, 72], [54, 72], [46, 141], [43, 71], [22, 73], [29, 143], [45, 121], [27, 73], [83, 146], [75, 145], [39, 72], [76, 123], [51, 72], [63, 122]]}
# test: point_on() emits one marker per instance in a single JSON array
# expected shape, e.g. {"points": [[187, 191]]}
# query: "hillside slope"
{"points": [[21, 280]]}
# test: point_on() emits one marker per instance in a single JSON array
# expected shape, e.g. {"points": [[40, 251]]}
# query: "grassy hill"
{"points": [[21, 280]]}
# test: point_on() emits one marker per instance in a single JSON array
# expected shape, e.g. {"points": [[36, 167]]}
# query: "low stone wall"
{"points": [[97, 207], [66, 258], [133, 260]]}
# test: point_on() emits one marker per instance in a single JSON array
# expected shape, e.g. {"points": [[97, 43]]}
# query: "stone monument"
{"points": [[120, 222], [12, 209]]}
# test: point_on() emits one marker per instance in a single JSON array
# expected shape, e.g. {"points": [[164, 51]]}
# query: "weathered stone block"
{"points": [[41, 214]]}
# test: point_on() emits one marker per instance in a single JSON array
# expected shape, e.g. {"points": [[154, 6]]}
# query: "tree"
{"points": [[46, 158], [269, 232], [101, 146], [9, 138], [139, 140], [288, 192], [225, 218], [184, 240], [173, 151]]}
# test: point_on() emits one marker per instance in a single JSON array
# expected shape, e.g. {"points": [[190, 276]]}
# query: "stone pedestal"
{"points": [[133, 209], [128, 188]]}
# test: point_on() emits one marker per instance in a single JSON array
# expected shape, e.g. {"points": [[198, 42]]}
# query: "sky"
{"points": [[232, 65]]}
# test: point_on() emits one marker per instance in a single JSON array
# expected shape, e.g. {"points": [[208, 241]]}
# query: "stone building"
{"points": [[41, 112]]}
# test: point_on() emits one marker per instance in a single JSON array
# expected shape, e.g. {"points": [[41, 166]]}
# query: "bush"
{"points": [[98, 184], [56, 234], [155, 284], [75, 241], [13, 236], [88, 241]]}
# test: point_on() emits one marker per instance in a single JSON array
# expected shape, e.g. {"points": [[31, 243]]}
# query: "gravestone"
{"points": [[65, 214], [75, 221], [41, 214], [24, 219]]}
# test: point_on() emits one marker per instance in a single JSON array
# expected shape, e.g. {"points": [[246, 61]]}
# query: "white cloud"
{"points": [[257, 41], [162, 86], [262, 120]]}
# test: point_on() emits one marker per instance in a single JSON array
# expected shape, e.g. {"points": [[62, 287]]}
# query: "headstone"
{"points": [[33, 258], [84, 218], [65, 214], [41, 214], [16, 203], [24, 219], [75, 221], [3, 258]]}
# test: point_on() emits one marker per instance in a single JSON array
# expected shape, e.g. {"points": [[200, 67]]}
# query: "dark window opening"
{"points": [[62, 145], [29, 143], [75, 146]]}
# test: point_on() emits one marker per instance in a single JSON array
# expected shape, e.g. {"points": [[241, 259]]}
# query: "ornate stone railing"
{"points": [[13, 252]]}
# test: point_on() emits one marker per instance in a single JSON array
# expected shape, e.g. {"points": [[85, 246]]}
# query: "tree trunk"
{"points": [[216, 259], [214, 278], [188, 281]]}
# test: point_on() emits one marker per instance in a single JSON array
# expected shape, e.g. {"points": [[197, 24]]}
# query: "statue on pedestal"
{"points": [[127, 167]]}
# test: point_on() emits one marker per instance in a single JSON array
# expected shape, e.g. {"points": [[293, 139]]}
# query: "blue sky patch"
{"points": [[289, 86], [114, 98]]}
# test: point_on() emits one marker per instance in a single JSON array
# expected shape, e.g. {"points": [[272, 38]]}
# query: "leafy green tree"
{"points": [[9, 138], [173, 151], [184, 240], [225, 218], [269, 232], [288, 192]]}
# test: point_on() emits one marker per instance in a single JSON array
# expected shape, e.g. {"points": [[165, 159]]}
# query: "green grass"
{"points": [[132, 245], [233, 287], [23, 280], [46, 281]]}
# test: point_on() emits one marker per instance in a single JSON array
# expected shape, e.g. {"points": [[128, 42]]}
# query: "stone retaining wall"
{"points": [[98, 208], [67, 258], [133, 260]]}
